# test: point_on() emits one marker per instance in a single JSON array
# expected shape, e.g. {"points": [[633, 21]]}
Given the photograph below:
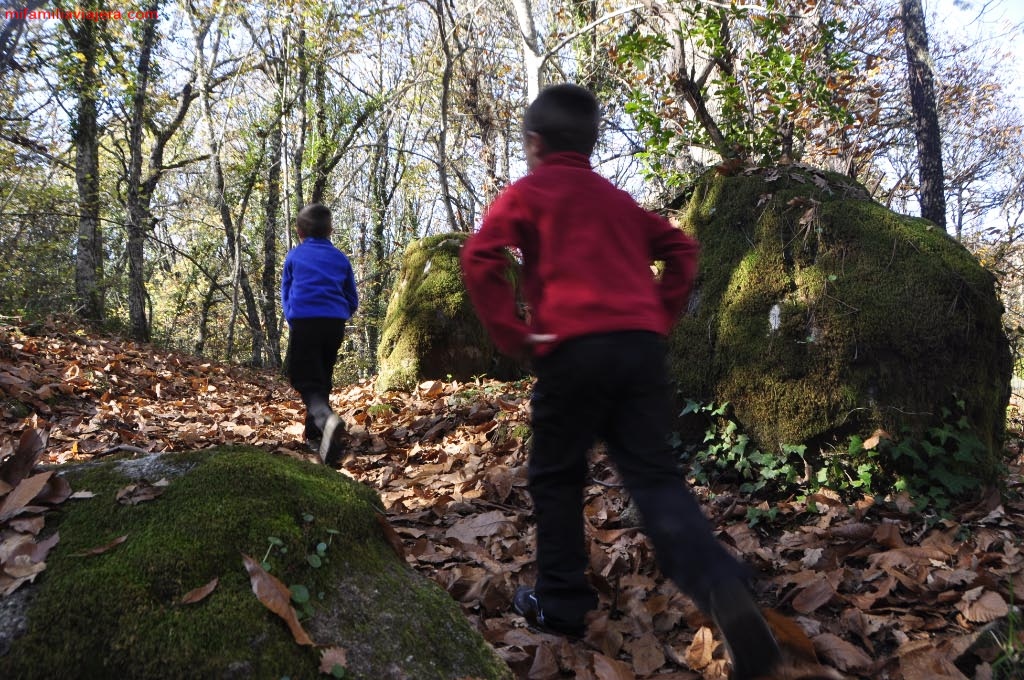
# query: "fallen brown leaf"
{"points": [[493, 523], [19, 464], [22, 566], [924, 662], [702, 650], [393, 539], [201, 593], [981, 606], [140, 492], [815, 594], [610, 669], [103, 548], [840, 653], [333, 658], [276, 597], [23, 494]]}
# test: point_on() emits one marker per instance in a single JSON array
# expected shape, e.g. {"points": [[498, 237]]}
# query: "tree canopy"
{"points": [[152, 168]]}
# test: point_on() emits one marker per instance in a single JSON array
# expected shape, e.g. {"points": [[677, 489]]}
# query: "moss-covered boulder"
{"points": [[119, 614], [819, 314], [431, 330]]}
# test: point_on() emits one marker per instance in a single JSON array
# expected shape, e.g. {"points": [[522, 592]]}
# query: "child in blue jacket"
{"points": [[318, 295]]}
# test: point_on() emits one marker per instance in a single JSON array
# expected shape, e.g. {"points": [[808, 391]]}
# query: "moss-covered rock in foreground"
{"points": [[431, 330], [118, 614], [819, 314]]}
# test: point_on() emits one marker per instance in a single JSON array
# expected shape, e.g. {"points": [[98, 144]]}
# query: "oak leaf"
{"points": [[18, 465], [815, 594], [545, 665], [647, 654], [981, 606], [701, 651]]}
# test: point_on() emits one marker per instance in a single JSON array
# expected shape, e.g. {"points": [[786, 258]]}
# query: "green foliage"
{"points": [[315, 557], [775, 81], [380, 410], [726, 449], [1009, 665], [783, 87], [39, 235], [935, 467]]}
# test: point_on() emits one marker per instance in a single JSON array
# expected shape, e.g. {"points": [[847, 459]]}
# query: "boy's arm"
{"points": [[680, 253], [349, 288], [286, 287], [485, 269]]}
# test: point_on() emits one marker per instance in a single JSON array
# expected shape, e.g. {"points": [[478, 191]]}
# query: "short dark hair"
{"points": [[566, 117], [314, 221]]}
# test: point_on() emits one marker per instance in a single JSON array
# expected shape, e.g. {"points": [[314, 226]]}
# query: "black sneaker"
{"points": [[331, 446], [752, 647], [313, 443], [526, 605]]}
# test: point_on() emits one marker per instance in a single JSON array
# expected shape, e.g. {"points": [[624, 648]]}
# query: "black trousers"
{"points": [[313, 346], [615, 387]]}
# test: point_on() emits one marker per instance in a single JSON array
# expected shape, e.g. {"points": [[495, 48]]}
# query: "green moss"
{"points": [[431, 330], [823, 314], [117, 614]]}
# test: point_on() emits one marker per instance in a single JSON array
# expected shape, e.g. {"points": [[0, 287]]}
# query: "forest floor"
{"points": [[866, 590]]}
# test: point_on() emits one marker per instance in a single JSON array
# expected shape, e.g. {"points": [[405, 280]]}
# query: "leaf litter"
{"points": [[869, 590]]}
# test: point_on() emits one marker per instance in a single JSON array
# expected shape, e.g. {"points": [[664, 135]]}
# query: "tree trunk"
{"points": [[689, 78], [533, 54], [89, 256], [330, 151], [926, 117], [204, 318], [441, 139], [380, 199], [319, 169], [233, 240], [269, 280], [138, 204], [300, 147]]}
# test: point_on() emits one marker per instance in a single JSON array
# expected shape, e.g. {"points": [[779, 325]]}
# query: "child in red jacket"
{"points": [[597, 337]]}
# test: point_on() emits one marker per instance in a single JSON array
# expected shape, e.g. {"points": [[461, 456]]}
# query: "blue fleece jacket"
{"points": [[317, 281]]}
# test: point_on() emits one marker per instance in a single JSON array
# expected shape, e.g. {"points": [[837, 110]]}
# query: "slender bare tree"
{"points": [[921, 80]]}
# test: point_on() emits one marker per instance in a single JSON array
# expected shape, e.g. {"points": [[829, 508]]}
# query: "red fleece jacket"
{"points": [[587, 250]]}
